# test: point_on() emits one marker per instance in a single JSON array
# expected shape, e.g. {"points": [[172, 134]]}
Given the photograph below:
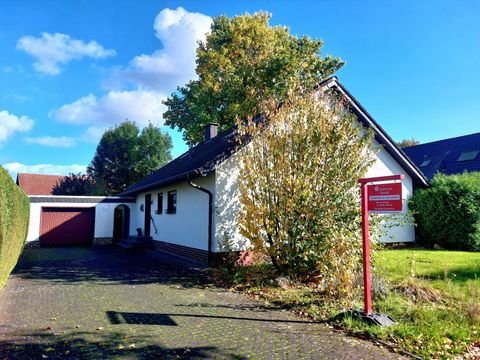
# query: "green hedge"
{"points": [[14, 216], [448, 213]]}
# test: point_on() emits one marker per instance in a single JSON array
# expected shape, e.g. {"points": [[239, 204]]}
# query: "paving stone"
{"points": [[110, 303]]}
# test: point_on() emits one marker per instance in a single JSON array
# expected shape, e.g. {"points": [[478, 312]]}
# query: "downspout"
{"points": [[210, 217]]}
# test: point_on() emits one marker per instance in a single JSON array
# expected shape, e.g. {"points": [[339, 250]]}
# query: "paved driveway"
{"points": [[109, 303]]}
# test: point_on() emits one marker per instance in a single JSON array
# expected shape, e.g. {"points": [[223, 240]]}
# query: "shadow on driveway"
{"points": [[107, 265], [91, 345], [108, 303]]}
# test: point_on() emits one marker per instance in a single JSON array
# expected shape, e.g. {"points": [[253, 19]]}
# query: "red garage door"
{"points": [[67, 226]]}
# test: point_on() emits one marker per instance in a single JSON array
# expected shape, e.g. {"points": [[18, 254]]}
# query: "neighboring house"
{"points": [[38, 184], [190, 205], [71, 220], [448, 156]]}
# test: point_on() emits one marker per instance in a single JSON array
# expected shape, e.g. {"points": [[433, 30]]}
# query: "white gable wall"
{"points": [[189, 225], [228, 205], [385, 165]]}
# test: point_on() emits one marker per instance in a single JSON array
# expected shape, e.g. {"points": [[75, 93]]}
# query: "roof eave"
{"points": [[164, 182]]}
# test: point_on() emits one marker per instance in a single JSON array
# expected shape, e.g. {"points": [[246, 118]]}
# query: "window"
{"points": [[159, 203], [468, 155], [172, 202], [425, 162]]}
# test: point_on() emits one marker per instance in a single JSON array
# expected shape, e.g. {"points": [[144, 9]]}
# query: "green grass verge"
{"points": [[435, 298], [433, 295]]}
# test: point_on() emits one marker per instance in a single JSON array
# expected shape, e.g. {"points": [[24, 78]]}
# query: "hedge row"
{"points": [[448, 213], [14, 216]]}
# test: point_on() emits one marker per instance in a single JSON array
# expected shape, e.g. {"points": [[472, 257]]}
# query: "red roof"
{"points": [[37, 184]]}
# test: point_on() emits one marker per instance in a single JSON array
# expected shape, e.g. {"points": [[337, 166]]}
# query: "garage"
{"points": [[67, 226]]}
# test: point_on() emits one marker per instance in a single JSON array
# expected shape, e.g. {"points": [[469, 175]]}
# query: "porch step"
{"points": [[137, 242]]}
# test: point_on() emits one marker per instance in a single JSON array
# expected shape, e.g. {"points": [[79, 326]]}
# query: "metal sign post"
{"points": [[380, 198]]}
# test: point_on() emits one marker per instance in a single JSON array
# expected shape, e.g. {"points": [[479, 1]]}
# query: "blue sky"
{"points": [[70, 69]]}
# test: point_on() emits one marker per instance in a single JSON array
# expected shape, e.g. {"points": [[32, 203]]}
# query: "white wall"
{"points": [[385, 165], [189, 225], [228, 206], [103, 217]]}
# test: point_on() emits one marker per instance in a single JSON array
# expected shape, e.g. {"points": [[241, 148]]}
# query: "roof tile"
{"points": [[37, 184], [444, 155]]}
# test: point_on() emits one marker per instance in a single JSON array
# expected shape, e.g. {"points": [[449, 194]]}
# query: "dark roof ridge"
{"points": [[381, 135], [447, 139], [203, 158]]}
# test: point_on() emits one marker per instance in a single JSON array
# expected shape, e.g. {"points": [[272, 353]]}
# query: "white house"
{"points": [[190, 206]]}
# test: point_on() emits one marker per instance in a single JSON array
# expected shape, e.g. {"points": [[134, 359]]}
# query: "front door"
{"points": [[148, 213]]}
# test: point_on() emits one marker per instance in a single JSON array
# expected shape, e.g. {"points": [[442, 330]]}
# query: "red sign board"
{"points": [[385, 198]]}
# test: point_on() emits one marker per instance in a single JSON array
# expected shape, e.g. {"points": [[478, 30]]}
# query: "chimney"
{"points": [[211, 130]]}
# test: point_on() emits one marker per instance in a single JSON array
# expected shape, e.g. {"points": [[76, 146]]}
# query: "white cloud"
{"points": [[140, 106], [61, 141], [179, 32], [136, 91], [93, 134], [10, 124], [14, 168], [53, 50]]}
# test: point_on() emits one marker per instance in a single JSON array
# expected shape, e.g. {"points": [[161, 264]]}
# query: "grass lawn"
{"points": [[433, 295], [435, 298]]}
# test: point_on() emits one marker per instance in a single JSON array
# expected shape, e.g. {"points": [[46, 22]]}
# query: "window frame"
{"points": [[425, 163], [171, 202], [159, 203], [468, 155]]}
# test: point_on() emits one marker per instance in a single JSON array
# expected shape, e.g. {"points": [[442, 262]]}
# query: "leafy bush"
{"points": [[298, 189], [14, 215], [448, 213]]}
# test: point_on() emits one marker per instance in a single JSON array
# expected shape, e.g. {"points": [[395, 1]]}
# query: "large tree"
{"points": [[243, 62], [125, 155], [299, 191]]}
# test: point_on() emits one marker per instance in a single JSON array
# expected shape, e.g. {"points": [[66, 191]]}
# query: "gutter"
{"points": [[210, 217], [153, 185]]}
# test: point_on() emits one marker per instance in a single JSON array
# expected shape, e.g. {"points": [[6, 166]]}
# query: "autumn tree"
{"points": [[125, 155], [74, 184], [243, 61], [299, 191]]}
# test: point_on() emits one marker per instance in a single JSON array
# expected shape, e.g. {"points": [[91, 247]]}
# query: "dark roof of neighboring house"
{"points": [[203, 158], [444, 155], [37, 184]]}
